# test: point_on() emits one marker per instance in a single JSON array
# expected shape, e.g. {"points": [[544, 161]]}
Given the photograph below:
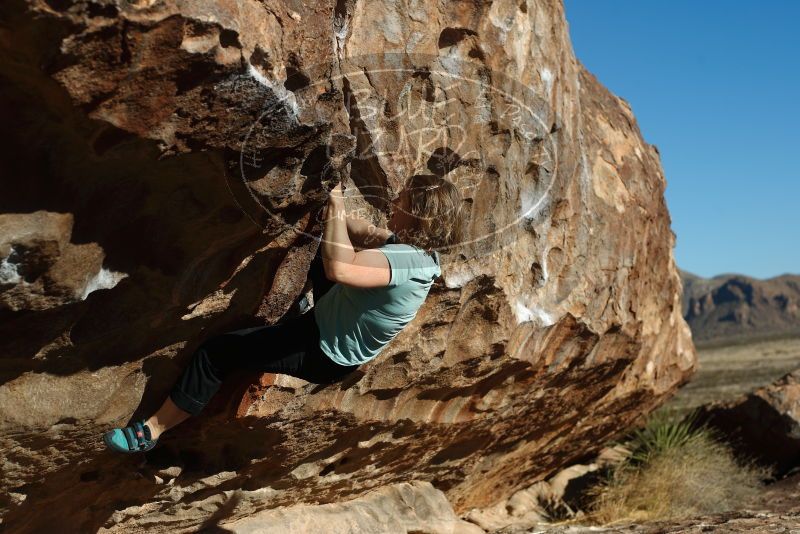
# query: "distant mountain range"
{"points": [[733, 307]]}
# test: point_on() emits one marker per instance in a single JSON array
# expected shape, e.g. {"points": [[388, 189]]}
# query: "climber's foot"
{"points": [[134, 438]]}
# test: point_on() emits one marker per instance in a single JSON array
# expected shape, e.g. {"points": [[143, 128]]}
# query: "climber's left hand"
{"points": [[337, 194]]}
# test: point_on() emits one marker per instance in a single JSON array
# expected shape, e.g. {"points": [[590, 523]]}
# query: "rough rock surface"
{"points": [[561, 496], [763, 425], [177, 154], [403, 507]]}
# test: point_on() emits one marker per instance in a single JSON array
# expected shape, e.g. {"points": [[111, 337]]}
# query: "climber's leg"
{"points": [[277, 348], [214, 359], [294, 350], [315, 366], [165, 418], [288, 347]]}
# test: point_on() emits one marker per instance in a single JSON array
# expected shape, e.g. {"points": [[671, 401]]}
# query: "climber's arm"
{"points": [[364, 234], [342, 264]]}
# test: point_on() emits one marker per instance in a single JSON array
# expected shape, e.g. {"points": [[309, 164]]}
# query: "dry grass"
{"points": [[676, 471]]}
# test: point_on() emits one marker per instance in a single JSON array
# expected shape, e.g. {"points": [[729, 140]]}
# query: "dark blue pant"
{"points": [[289, 347]]}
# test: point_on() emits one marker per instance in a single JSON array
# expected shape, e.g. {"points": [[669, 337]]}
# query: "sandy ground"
{"points": [[725, 372], [777, 509]]}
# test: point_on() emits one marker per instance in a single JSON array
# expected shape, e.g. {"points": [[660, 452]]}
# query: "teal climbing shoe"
{"points": [[134, 438]]}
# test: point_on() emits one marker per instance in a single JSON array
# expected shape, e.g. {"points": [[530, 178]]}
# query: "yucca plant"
{"points": [[676, 468], [663, 433]]}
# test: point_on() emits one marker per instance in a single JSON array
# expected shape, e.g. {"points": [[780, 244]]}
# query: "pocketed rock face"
{"points": [[41, 269], [188, 141]]}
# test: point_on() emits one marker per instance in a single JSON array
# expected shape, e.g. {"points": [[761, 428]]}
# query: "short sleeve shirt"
{"points": [[355, 323]]}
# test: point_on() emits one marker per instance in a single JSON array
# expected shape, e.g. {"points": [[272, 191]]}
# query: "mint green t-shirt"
{"points": [[355, 323]]}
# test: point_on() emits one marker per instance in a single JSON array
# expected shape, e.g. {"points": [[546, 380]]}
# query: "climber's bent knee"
{"points": [[185, 402], [202, 377], [215, 358]]}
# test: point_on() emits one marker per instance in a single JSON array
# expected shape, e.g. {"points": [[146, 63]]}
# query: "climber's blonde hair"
{"points": [[435, 207]]}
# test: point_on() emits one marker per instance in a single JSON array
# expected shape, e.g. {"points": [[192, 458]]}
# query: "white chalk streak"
{"points": [[105, 279]]}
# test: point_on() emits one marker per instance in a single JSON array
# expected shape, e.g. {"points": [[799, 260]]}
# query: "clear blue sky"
{"points": [[715, 85]]}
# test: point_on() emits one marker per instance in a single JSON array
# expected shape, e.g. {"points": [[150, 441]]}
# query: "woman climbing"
{"points": [[361, 301]]}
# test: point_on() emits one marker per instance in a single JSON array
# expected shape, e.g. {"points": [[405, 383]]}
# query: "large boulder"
{"points": [[763, 425], [164, 164], [400, 507]]}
